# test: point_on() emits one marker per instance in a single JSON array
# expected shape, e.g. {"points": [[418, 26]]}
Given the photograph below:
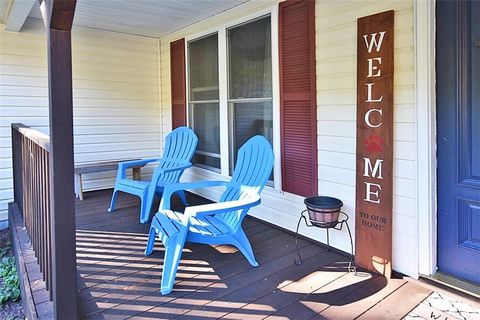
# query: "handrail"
{"points": [[40, 138], [32, 192]]}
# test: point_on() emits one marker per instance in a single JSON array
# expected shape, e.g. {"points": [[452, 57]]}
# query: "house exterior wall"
{"points": [[115, 97], [122, 109], [336, 113]]}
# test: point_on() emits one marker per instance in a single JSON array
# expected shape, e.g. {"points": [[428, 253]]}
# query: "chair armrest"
{"points": [[123, 166], [221, 207], [171, 188], [137, 163]]}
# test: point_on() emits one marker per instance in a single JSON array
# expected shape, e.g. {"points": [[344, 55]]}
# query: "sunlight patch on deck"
{"points": [[308, 283]]}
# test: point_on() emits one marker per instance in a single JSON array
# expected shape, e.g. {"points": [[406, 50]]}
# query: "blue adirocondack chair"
{"points": [[217, 223], [180, 145]]}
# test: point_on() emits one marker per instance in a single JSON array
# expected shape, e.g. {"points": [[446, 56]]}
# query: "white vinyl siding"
{"points": [[115, 97], [336, 100]]}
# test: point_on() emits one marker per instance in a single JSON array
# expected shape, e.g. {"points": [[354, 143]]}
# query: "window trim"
{"points": [[224, 101], [189, 103]]}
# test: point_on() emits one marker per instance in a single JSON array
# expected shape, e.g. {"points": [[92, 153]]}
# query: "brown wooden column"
{"points": [[58, 18]]}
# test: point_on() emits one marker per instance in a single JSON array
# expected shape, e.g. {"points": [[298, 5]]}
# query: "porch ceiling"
{"points": [[152, 18]]}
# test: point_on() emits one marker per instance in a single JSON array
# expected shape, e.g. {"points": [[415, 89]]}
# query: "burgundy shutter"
{"points": [[298, 116], [177, 78]]}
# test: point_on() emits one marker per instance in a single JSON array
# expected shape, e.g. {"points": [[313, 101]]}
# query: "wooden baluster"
{"points": [[36, 230], [45, 212], [38, 157]]}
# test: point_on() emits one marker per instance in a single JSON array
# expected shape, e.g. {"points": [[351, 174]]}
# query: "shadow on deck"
{"points": [[116, 280]]}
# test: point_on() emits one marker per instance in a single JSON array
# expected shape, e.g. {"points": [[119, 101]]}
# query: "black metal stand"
{"points": [[339, 226]]}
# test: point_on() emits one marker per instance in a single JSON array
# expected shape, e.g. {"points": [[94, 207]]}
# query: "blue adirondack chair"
{"points": [[180, 146], [216, 223]]}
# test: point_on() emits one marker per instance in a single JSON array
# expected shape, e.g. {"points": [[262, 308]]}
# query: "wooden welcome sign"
{"points": [[373, 225]]}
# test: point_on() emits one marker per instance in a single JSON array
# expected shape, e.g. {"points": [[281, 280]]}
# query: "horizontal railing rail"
{"points": [[31, 183]]}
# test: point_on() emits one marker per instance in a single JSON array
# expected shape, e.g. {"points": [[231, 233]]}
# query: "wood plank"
{"points": [[91, 212], [226, 266], [361, 300], [271, 262], [229, 265], [16, 228], [294, 291], [194, 251], [374, 159], [410, 296], [253, 228], [100, 166], [311, 304], [116, 281], [228, 307]]}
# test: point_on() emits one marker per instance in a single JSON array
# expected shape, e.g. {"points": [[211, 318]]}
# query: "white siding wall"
{"points": [[336, 98], [116, 83]]}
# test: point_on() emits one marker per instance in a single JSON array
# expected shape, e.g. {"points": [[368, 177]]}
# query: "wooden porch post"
{"points": [[58, 19]]}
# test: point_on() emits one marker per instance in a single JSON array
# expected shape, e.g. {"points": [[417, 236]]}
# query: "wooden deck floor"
{"points": [[116, 281]]}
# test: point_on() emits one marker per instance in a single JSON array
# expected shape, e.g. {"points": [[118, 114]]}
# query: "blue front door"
{"points": [[458, 138]]}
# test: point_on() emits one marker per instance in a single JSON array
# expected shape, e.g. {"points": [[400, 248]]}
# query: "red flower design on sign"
{"points": [[374, 143]]}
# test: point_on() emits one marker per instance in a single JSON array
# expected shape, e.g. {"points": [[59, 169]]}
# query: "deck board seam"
{"points": [[246, 284], [338, 259], [378, 302], [213, 283], [200, 248], [180, 268]]}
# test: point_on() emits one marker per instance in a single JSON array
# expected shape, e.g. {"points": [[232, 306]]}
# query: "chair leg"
{"points": [[241, 242], [146, 202], [114, 199], [144, 213], [173, 253], [182, 196], [151, 241]]}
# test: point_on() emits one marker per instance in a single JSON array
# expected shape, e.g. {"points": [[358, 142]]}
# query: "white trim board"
{"points": [[424, 12], [17, 14]]}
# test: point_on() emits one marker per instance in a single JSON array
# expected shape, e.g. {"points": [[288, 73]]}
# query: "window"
{"points": [[204, 100], [230, 99], [250, 83]]}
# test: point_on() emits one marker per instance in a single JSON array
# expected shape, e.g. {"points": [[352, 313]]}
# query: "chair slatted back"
{"points": [[180, 145], [252, 170]]}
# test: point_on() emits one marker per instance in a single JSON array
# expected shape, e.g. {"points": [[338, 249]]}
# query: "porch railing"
{"points": [[31, 191], [32, 194]]}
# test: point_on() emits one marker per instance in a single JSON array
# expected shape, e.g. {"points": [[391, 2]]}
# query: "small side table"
{"points": [[342, 220]]}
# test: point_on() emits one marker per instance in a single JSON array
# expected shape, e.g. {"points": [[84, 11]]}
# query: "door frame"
{"points": [[425, 101]]}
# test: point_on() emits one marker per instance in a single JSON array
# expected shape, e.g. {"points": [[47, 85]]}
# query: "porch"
{"points": [[116, 280], [123, 103]]}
